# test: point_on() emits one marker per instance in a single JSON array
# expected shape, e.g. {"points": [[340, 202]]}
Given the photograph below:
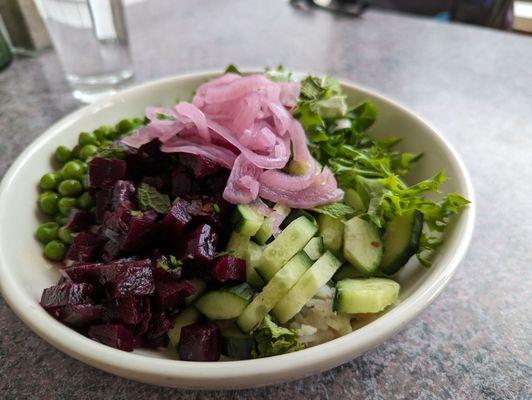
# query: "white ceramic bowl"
{"points": [[24, 273]]}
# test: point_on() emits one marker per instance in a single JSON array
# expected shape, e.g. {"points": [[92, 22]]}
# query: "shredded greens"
{"points": [[272, 340], [338, 138]]}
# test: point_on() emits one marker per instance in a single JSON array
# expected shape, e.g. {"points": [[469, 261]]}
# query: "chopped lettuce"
{"points": [[273, 340]]}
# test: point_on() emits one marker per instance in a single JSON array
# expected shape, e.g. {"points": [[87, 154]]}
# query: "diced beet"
{"points": [[155, 181], [104, 172], [181, 182], [80, 314], [133, 278], [200, 247], [176, 220], [200, 342], [199, 165], [161, 341], [67, 293], [128, 310], [142, 231], [128, 231], [102, 199], [88, 273], [160, 324], [215, 184], [229, 269], [146, 311], [114, 335], [206, 211], [172, 274], [79, 220], [85, 248], [169, 294], [123, 194]]}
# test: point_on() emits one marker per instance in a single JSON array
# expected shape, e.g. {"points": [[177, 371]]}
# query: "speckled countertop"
{"points": [[474, 84]]}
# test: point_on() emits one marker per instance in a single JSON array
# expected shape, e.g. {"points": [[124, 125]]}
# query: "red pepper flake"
{"points": [[376, 244]]}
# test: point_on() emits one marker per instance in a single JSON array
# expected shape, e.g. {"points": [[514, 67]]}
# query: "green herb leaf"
{"points": [[150, 199], [273, 339], [231, 69], [335, 210], [164, 117], [109, 150], [279, 74]]}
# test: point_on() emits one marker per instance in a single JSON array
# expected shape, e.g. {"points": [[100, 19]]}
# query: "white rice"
{"points": [[317, 322]]}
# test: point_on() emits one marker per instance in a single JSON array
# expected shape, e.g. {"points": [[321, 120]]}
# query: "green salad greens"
{"points": [[338, 138]]}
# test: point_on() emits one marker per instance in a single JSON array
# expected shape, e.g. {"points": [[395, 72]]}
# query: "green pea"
{"points": [[61, 220], [55, 250], [75, 151], [85, 201], [85, 182], [65, 235], [48, 203], [66, 204], [47, 232], [49, 181], [87, 151], [73, 170], [63, 154], [86, 138], [103, 132], [125, 126], [70, 187]]}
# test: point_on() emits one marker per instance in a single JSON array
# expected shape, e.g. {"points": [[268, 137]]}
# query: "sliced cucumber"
{"points": [[347, 271], [314, 248], [273, 292], [371, 295], [225, 303], [252, 260], [200, 288], [289, 242], [265, 231], [247, 220], [186, 317], [353, 199], [362, 245], [238, 245], [401, 240], [306, 287], [237, 345], [332, 231], [297, 213]]}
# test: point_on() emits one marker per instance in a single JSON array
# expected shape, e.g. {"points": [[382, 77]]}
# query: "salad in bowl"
{"points": [[256, 219]]}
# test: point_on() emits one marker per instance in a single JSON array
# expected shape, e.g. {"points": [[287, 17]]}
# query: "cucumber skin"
{"points": [[267, 265], [246, 225], [411, 249], [238, 348], [375, 266], [338, 295]]}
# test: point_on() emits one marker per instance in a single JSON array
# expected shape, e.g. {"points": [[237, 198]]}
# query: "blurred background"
{"points": [[91, 38]]}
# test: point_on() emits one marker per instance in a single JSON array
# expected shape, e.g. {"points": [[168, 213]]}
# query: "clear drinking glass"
{"points": [[90, 39]]}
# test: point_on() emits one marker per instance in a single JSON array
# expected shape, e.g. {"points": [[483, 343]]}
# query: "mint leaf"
{"points": [[109, 150], [165, 117], [150, 199], [278, 75], [335, 210], [231, 69], [273, 340]]}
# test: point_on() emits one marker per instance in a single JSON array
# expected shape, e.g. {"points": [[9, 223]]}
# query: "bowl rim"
{"points": [[242, 373]]}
